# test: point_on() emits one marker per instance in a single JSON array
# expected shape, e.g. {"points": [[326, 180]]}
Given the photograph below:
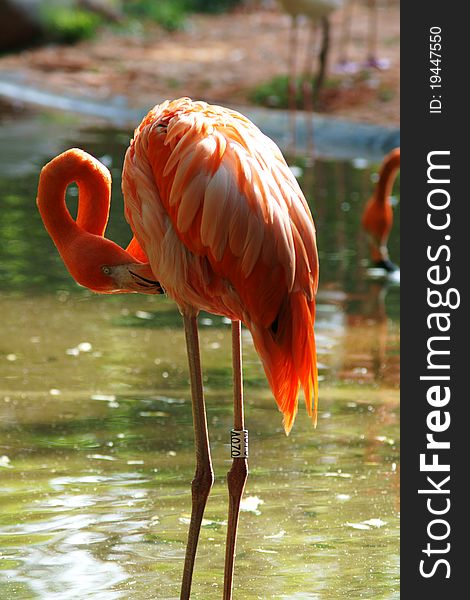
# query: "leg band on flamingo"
{"points": [[239, 443]]}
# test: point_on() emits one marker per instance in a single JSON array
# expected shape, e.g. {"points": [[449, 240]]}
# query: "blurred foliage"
{"points": [[69, 21], [69, 24], [212, 6], [274, 93], [171, 14]]}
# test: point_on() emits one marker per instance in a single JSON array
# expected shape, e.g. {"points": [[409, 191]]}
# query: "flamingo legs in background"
{"points": [[224, 224], [317, 13], [372, 61], [377, 219], [345, 65]]}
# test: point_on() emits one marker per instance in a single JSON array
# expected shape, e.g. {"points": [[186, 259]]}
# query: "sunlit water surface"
{"points": [[96, 449]]}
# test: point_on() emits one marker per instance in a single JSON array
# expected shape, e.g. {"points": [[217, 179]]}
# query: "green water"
{"points": [[96, 450]]}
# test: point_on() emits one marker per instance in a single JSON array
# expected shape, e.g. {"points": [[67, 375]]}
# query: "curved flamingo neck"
{"points": [[387, 174], [94, 184]]}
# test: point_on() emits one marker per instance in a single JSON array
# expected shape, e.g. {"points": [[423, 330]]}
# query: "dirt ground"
{"points": [[218, 58]]}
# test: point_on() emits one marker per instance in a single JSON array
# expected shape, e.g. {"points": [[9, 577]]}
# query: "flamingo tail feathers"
{"points": [[287, 351]]}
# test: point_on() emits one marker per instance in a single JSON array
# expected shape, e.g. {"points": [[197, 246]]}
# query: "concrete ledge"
{"points": [[333, 137]]}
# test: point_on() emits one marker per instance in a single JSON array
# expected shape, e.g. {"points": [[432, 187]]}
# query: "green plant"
{"points": [[274, 93], [170, 14], [69, 25], [211, 6], [386, 94]]}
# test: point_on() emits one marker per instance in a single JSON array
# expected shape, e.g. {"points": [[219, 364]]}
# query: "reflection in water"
{"points": [[103, 467], [67, 563], [70, 573], [96, 436], [357, 334]]}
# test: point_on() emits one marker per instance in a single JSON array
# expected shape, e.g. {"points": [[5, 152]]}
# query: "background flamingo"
{"points": [[372, 60], [377, 219], [317, 12], [226, 227]]}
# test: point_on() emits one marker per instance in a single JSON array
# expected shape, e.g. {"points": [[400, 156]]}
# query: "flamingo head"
{"points": [[104, 267], [131, 277]]}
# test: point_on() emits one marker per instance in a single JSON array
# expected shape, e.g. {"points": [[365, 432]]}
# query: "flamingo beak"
{"points": [[153, 287], [133, 277]]}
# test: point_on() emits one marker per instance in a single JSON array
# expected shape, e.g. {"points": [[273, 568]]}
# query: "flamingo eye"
{"points": [[106, 270]]}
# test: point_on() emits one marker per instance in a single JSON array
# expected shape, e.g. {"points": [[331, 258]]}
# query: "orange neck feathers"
{"points": [[377, 218], [94, 182], [387, 174], [93, 261]]}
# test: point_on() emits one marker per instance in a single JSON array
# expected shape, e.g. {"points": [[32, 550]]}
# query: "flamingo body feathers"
{"points": [[225, 225]]}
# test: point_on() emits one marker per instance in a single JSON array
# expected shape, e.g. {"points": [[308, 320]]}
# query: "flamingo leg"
{"points": [[237, 476], [307, 76], [292, 81], [204, 476], [323, 58], [345, 65], [373, 37], [307, 85]]}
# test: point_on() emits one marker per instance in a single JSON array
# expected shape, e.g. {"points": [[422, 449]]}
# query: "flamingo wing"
{"points": [[229, 196]]}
